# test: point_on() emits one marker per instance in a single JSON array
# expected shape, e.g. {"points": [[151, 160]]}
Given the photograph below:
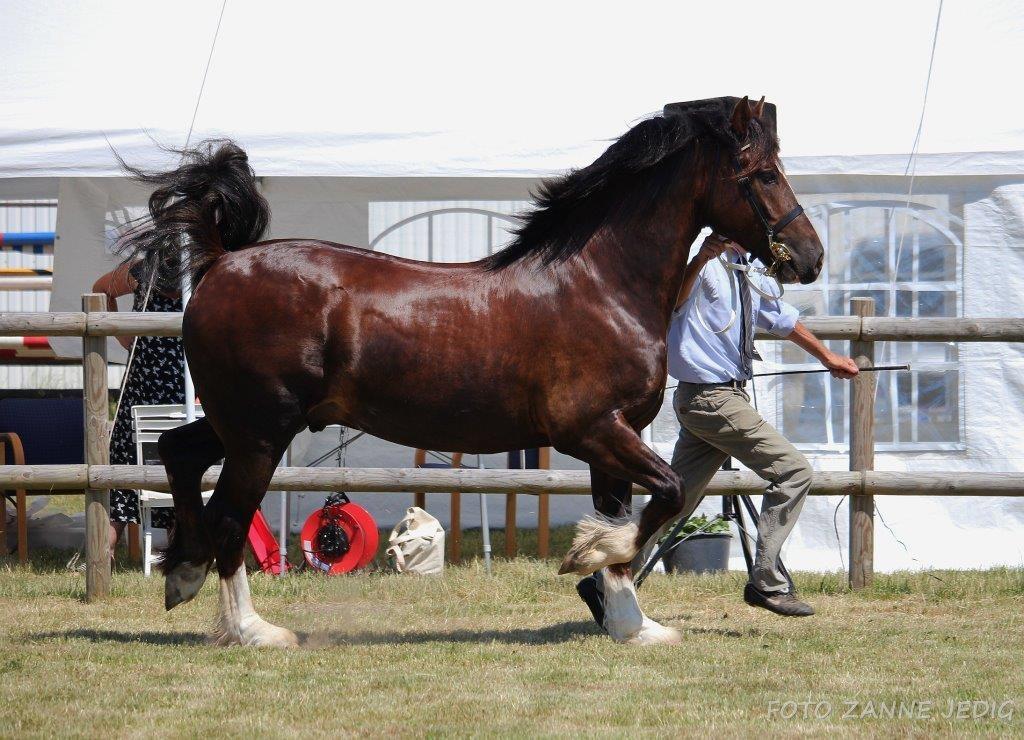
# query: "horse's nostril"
{"points": [[820, 262]]}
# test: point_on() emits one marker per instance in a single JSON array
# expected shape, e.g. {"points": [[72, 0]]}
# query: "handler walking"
{"points": [[711, 353]]}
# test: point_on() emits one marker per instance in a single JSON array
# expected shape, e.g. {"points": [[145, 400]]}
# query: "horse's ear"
{"points": [[741, 116], [759, 108]]}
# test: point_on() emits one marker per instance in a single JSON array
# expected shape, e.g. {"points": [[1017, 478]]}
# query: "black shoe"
{"points": [[781, 602], [590, 591]]}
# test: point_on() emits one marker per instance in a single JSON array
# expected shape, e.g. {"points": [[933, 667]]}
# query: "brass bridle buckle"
{"points": [[780, 252]]}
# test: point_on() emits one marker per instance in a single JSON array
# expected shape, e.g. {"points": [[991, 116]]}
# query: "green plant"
{"points": [[704, 525]]}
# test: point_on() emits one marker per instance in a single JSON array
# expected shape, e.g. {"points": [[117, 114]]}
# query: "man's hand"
{"points": [[713, 246], [841, 367]]}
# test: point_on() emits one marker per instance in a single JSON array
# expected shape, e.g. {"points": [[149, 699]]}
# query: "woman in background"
{"points": [[155, 375]]}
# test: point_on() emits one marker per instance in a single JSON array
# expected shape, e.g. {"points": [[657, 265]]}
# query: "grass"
{"points": [[512, 653]]}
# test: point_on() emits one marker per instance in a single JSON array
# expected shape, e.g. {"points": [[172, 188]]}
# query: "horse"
{"points": [[559, 339]]}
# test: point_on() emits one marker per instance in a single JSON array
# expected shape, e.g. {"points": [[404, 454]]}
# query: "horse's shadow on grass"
{"points": [[553, 634], [147, 638]]}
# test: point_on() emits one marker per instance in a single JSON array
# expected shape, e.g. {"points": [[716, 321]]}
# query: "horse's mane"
{"points": [[626, 181]]}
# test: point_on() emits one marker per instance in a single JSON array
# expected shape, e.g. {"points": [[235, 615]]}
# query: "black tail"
{"points": [[208, 206]]}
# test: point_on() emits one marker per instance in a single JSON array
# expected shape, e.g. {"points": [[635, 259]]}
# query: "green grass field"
{"points": [[513, 653]]}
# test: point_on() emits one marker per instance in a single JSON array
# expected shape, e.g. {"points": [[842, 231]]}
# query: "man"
{"points": [[711, 353]]}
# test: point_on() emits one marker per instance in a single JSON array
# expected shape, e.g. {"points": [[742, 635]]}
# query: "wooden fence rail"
{"points": [[63, 479], [860, 483], [868, 328]]}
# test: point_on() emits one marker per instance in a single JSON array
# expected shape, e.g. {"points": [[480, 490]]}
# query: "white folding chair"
{"points": [[148, 423]]}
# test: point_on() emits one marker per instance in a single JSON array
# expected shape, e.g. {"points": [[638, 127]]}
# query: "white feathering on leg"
{"points": [[239, 624], [600, 542], [625, 621]]}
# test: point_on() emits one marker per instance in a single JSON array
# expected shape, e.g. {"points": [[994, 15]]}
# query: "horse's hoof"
{"points": [[273, 636], [652, 633], [183, 583], [257, 632]]}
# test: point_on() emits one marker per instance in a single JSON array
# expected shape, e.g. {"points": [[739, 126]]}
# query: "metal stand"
{"points": [[485, 525]]}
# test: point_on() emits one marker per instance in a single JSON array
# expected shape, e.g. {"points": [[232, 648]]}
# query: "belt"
{"points": [[723, 384]]}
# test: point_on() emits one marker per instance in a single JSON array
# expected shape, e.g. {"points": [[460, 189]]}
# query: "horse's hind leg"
{"points": [[229, 514], [187, 452]]}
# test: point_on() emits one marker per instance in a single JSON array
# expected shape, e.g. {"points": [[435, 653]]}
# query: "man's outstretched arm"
{"points": [[841, 367]]}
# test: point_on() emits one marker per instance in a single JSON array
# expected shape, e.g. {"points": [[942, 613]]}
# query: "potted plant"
{"points": [[702, 546]]}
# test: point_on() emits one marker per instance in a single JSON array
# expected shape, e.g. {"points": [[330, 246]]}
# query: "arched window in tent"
{"points": [[442, 231], [909, 259]]}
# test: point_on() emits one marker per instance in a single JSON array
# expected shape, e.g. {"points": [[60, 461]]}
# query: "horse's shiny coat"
{"points": [[568, 351]]}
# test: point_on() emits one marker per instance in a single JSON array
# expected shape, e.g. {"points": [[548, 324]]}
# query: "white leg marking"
{"points": [[624, 619], [600, 542], [239, 624]]}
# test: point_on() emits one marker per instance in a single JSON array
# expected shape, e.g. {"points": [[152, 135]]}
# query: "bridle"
{"points": [[780, 252]]}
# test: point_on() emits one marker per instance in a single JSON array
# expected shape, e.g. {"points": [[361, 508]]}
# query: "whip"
{"points": [[872, 369]]}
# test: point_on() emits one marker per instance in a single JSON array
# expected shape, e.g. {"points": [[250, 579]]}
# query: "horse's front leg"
{"points": [[614, 447], [607, 544], [241, 487]]}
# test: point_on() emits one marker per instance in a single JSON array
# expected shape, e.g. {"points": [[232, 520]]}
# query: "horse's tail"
{"points": [[206, 207]]}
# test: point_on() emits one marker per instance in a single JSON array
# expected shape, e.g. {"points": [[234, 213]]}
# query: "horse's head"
{"points": [[751, 201]]}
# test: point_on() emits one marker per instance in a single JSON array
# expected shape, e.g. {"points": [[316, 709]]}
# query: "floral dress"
{"points": [[156, 376]]}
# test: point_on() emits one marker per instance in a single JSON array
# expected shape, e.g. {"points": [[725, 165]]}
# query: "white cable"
{"points": [[131, 353], [186, 279], [911, 167], [202, 85]]}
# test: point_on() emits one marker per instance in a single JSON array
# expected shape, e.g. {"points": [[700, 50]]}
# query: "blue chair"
{"points": [[38, 431]]}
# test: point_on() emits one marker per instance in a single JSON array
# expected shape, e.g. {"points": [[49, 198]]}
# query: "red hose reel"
{"points": [[340, 537]]}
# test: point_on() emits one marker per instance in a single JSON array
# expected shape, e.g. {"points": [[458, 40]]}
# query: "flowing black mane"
{"points": [[628, 179]]}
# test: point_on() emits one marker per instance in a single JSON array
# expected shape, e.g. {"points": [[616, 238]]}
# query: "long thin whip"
{"points": [[872, 369]]}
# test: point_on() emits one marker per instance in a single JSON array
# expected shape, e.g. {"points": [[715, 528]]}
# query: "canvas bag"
{"points": [[416, 544]]}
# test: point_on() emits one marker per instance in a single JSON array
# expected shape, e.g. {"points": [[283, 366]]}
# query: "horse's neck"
{"points": [[646, 261]]}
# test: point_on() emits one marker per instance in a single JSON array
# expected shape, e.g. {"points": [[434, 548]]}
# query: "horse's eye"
{"points": [[768, 178]]}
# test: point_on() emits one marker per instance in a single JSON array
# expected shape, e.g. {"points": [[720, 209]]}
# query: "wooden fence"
{"points": [[97, 477]]}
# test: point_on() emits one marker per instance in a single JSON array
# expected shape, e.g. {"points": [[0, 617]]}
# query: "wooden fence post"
{"points": [[511, 531], [419, 499], [862, 453], [543, 507], [97, 452]]}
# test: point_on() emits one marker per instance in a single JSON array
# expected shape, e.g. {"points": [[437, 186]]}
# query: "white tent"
{"points": [[419, 128]]}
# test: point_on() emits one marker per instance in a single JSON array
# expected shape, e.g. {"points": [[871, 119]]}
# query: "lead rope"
{"points": [[698, 302], [749, 269]]}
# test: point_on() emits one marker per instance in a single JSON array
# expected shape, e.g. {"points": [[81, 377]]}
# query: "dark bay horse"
{"points": [[560, 338]]}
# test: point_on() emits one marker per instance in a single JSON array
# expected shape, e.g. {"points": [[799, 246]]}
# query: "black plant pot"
{"points": [[700, 553]]}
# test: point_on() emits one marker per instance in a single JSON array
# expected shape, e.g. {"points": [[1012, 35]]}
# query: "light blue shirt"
{"points": [[697, 354]]}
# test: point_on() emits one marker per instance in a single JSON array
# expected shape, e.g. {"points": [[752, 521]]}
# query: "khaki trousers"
{"points": [[717, 422]]}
